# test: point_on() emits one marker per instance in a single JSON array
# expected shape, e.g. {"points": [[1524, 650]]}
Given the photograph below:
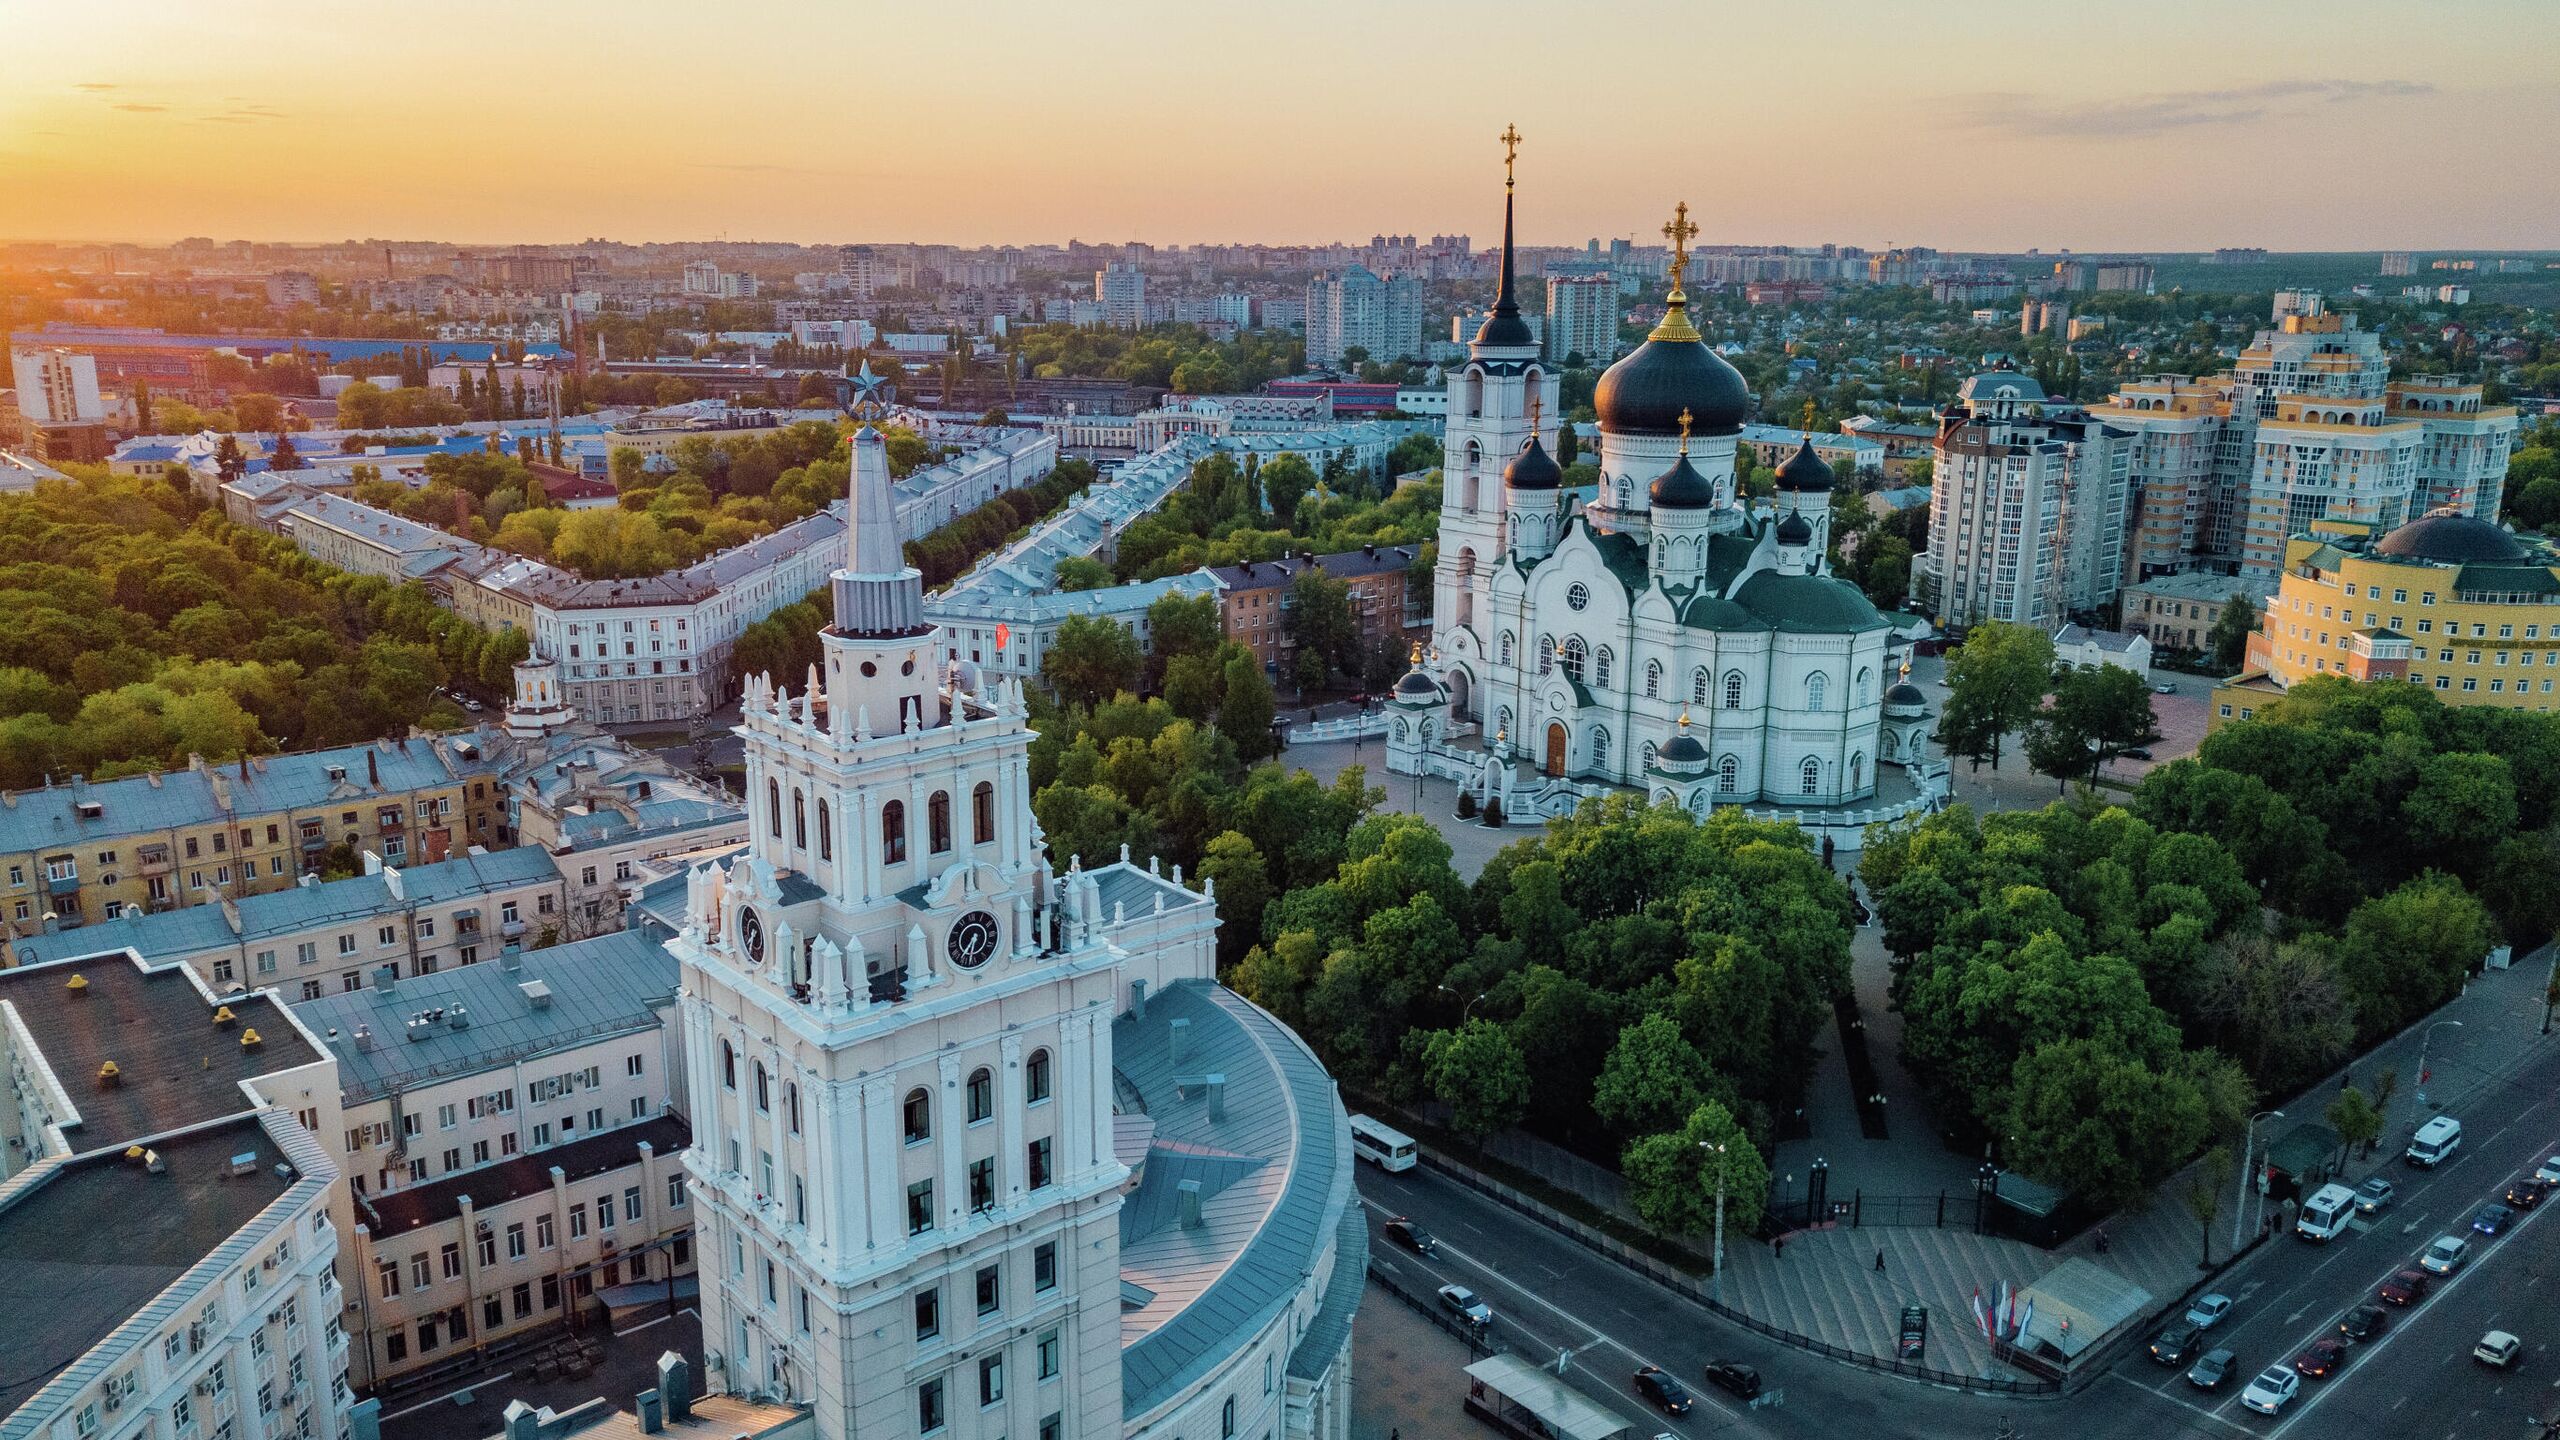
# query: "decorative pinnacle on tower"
{"points": [[877, 593], [1503, 326], [1675, 313]]}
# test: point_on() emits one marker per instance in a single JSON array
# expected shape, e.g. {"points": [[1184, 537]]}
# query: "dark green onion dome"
{"points": [[1672, 371], [1681, 749], [1682, 488], [1804, 471], [1794, 531], [1905, 695], [1533, 468], [1417, 686]]}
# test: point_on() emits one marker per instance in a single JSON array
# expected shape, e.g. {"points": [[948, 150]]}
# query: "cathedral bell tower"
{"points": [[1496, 400]]}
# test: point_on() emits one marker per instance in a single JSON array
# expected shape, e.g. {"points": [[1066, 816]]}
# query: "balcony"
{"points": [[65, 883], [155, 860]]}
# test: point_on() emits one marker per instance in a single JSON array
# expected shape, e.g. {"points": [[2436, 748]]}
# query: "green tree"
{"points": [[284, 456], [1193, 685], [2097, 713], [1673, 1178], [2229, 638], [1995, 683], [1286, 479], [1245, 710], [1082, 572], [1179, 625], [2406, 952], [1320, 622], [1478, 1073], [2355, 1119], [1243, 883], [1651, 1081], [1091, 659], [2203, 1194], [2101, 1121]]}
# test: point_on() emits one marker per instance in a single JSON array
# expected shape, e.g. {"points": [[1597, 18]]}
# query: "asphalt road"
{"points": [[1549, 1293]]}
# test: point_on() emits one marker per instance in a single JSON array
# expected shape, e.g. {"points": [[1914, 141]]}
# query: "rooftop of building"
{"points": [[94, 1242], [194, 929], [715, 1417], [129, 337], [585, 1158], [511, 1007], [1273, 1172], [177, 1064], [2198, 586], [2115, 641], [60, 816], [1347, 565]]}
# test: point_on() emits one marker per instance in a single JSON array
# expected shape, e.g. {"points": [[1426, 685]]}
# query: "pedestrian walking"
{"points": [[1879, 1262], [1778, 1248]]}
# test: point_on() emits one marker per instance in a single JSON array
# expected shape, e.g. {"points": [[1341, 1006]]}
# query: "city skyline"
{"points": [[271, 122]]}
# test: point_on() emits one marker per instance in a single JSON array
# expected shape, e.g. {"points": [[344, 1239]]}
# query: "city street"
{"points": [[1549, 1293]]}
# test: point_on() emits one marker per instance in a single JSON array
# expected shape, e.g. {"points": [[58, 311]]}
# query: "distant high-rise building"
{"points": [[2133, 276], [1354, 309], [702, 277], [293, 287], [1582, 319], [2399, 262], [863, 269], [57, 387], [1234, 309], [2240, 255], [2027, 507], [1121, 289], [2042, 317]]}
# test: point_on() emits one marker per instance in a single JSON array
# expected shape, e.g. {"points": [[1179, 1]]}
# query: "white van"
{"points": [[2435, 1141], [2325, 1215], [1386, 1148]]}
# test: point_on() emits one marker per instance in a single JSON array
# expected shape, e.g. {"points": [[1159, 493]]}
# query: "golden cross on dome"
{"points": [[1417, 653], [1537, 403], [1684, 429], [1684, 717], [1510, 138], [1808, 419], [1679, 232]]}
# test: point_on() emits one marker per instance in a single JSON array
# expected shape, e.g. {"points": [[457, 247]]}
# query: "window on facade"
{"points": [[938, 821], [990, 1283], [1576, 657], [893, 833], [1047, 1353], [728, 1066], [919, 1115], [982, 814], [1733, 690], [982, 1095], [928, 1313], [1812, 776], [773, 806], [1601, 666], [1546, 654], [1044, 1266], [919, 1207], [991, 1380], [1506, 647], [1728, 775], [982, 1184], [826, 831], [1652, 679], [764, 1088], [1037, 1159], [799, 819], [929, 1417], [1599, 747], [1035, 1077], [1817, 690]]}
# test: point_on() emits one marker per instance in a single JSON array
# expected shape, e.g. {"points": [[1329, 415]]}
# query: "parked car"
{"points": [[1460, 1301], [1667, 1394], [1411, 1236], [2497, 1348], [2375, 1196], [2363, 1323], [2269, 1393], [2176, 1345], [2209, 1372], [474, 706], [1915, 1332], [2405, 1287], [2446, 1255], [2493, 1219], [1741, 1381], [2322, 1358], [2164, 689], [2208, 1311], [2527, 1191], [2136, 753]]}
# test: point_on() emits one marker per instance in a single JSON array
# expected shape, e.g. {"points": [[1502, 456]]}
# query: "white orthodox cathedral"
{"points": [[1656, 631], [981, 1150]]}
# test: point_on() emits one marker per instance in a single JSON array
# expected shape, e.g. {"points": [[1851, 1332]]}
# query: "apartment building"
{"points": [[83, 852], [1354, 309], [165, 1210], [1121, 290], [473, 1101], [322, 937], [2179, 612], [1253, 598], [2027, 508], [1582, 318], [606, 814]]}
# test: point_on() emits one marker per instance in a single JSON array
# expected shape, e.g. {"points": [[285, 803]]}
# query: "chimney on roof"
{"points": [[372, 770], [1138, 999], [1180, 1035], [1188, 1196], [386, 979], [1215, 1083], [675, 1386]]}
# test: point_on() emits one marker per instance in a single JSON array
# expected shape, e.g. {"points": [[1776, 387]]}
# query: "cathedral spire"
{"points": [[877, 592], [1503, 325]]}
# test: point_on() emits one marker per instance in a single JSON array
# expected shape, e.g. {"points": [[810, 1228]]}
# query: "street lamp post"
{"points": [[2248, 1162], [1715, 1283], [1466, 1012], [2424, 1045]]}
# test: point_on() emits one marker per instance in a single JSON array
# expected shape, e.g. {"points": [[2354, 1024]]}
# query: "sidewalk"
{"points": [[1825, 1283], [1408, 1376]]}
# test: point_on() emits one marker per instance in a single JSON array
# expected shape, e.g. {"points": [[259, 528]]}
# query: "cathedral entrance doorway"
{"points": [[1555, 751], [1458, 696]]}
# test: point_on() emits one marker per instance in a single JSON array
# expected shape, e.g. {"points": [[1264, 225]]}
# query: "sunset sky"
{"points": [[2161, 124]]}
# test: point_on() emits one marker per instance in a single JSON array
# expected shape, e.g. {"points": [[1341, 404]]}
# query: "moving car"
{"points": [[2325, 1213], [2446, 1255], [2493, 1219], [1741, 1381], [2176, 1345], [1915, 1332], [2211, 1371], [1460, 1301], [1667, 1394], [1411, 1236], [2548, 1170], [2363, 1323], [2375, 1196], [2322, 1358], [2274, 1386], [2208, 1311], [2405, 1287], [2527, 1191], [2435, 1142], [2497, 1348]]}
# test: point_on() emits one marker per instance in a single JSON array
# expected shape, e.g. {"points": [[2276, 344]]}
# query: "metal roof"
{"points": [[1279, 1157], [1562, 1408], [607, 985]]}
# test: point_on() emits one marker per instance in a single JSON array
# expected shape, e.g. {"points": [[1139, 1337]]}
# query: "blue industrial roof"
{"points": [[122, 337], [1274, 1172]]}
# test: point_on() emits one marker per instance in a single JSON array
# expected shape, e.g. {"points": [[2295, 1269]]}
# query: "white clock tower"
{"points": [[898, 1036]]}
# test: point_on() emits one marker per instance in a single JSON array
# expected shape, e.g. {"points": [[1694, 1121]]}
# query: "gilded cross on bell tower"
{"points": [[1510, 138], [1679, 232]]}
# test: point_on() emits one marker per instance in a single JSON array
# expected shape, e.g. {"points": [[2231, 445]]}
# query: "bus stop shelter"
{"points": [[1528, 1403]]}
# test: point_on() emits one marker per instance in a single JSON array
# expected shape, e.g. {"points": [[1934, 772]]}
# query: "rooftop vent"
{"points": [[223, 1019], [249, 1039], [89, 809], [337, 772], [109, 1077], [244, 1163], [1188, 1195], [536, 994], [77, 984]]}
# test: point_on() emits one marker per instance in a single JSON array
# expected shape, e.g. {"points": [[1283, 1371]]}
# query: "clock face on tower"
{"points": [[972, 939], [751, 934]]}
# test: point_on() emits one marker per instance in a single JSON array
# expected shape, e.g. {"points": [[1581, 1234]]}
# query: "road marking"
{"points": [[2182, 1403]]}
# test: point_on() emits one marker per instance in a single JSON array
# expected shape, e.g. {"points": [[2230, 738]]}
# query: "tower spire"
{"points": [[877, 592], [1503, 326]]}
